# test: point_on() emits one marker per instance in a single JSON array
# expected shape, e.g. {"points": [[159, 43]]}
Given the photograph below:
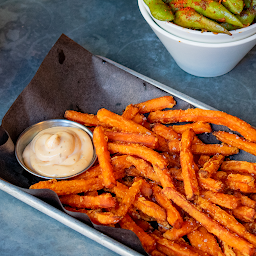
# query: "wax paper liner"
{"points": [[70, 77]]}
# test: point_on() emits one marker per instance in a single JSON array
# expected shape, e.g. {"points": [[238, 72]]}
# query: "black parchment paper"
{"points": [[70, 77]]}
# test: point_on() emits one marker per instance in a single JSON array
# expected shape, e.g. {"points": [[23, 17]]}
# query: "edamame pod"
{"points": [[189, 18], [234, 6], [228, 26], [247, 3], [208, 8], [160, 10], [247, 16]]}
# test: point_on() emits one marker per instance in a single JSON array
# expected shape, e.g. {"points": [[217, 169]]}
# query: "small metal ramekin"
{"points": [[27, 135]]}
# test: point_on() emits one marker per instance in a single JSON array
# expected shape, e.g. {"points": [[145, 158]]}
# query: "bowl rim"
{"points": [[153, 24], [68, 123], [195, 32]]}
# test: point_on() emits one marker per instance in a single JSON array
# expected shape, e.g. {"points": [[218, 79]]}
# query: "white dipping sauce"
{"points": [[59, 152]]}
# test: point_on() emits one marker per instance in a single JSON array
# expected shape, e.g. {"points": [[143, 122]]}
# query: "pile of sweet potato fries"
{"points": [[155, 177]]}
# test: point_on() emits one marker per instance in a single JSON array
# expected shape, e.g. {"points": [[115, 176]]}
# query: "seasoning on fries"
{"points": [[179, 195]]}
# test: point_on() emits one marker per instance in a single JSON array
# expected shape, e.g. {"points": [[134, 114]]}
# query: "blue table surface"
{"points": [[115, 30]]}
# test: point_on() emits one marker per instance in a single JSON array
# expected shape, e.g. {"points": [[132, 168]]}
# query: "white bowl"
{"points": [[205, 37], [201, 59]]}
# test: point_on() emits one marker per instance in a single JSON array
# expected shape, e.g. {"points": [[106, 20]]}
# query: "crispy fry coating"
{"points": [[143, 139], [205, 241], [90, 202], [212, 226], [68, 187], [156, 104], [121, 123], [197, 127], [129, 198], [130, 112], [244, 213], [173, 248], [188, 166], [143, 167], [173, 216], [166, 132], [209, 116], [245, 200], [187, 227], [226, 219], [207, 149], [101, 147], [243, 183], [98, 217], [211, 184], [238, 167], [141, 151], [221, 199], [236, 141], [83, 118], [211, 166]]}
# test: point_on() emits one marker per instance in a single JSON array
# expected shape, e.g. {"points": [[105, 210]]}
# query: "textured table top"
{"points": [[115, 30]]}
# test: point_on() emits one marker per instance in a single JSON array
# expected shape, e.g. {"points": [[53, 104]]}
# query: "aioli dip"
{"points": [[59, 152]]}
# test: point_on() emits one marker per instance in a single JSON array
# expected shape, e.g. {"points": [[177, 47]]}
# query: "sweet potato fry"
{"points": [[173, 248], [121, 123], [187, 227], [243, 183], [176, 173], [236, 141], [151, 209], [97, 217], [211, 225], [164, 177], [166, 132], [244, 213], [241, 167], [83, 118], [221, 199], [245, 200], [118, 163], [227, 250], [143, 167], [206, 149], [127, 137], [173, 159], [93, 172], [209, 116], [211, 184], [197, 127], [140, 151], [147, 241], [145, 189], [101, 147], [202, 160], [130, 112], [205, 241], [68, 187], [157, 253], [147, 207], [211, 166], [156, 104], [90, 202], [173, 216], [142, 120], [188, 166], [226, 219], [129, 198]]}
